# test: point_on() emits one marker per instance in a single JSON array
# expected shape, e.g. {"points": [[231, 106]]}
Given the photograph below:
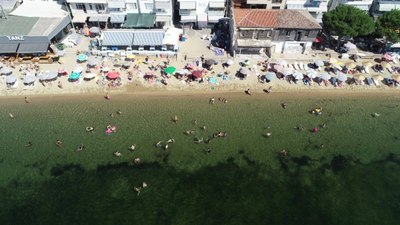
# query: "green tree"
{"points": [[348, 21], [388, 26]]}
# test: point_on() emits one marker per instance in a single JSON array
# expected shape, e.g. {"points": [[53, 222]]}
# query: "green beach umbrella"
{"points": [[170, 70], [74, 76]]}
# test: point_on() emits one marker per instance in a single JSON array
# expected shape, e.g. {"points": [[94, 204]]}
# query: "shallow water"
{"points": [[351, 180]]}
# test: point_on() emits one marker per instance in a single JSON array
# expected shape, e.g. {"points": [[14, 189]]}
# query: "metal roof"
{"points": [[133, 37], [17, 25]]}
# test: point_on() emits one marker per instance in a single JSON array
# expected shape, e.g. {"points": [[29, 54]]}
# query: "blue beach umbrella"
{"points": [[82, 58], [270, 75], [74, 76], [212, 80]]}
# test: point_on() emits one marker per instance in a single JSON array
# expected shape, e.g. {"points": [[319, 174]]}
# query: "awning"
{"points": [[33, 48], [163, 5], [8, 48], [116, 4], [187, 5], [140, 20], [99, 18], [148, 38], [117, 18], [79, 18], [117, 38], [216, 5]]}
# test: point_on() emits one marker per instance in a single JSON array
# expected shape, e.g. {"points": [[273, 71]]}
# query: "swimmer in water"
{"points": [[81, 147]]}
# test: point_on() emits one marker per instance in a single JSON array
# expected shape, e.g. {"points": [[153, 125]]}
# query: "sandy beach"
{"points": [[191, 50]]}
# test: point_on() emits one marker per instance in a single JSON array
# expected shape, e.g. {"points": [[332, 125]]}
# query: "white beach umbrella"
{"points": [[281, 62], [297, 75], [312, 73], [319, 63], [325, 76], [89, 76], [11, 79], [6, 71], [287, 71], [29, 78], [78, 69]]}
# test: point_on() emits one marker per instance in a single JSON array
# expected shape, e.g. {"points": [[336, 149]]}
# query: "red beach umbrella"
{"points": [[112, 75], [197, 73]]}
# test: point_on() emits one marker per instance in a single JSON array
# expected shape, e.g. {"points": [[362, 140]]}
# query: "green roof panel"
{"points": [[135, 20], [17, 25]]}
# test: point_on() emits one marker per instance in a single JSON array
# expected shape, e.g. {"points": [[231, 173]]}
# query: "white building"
{"points": [[201, 13], [379, 7], [364, 5], [266, 4], [315, 7], [115, 12]]}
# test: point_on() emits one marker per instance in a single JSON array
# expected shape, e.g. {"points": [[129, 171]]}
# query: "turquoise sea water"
{"points": [[352, 179]]}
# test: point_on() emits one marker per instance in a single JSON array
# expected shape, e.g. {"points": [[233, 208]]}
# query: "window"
{"points": [[80, 6], [90, 7], [287, 33], [276, 1], [246, 34], [276, 7], [148, 6], [131, 6], [263, 34], [306, 34], [99, 7]]}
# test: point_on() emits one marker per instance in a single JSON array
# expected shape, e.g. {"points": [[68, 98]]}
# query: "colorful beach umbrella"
{"points": [[377, 77], [197, 73], [81, 57], [212, 80], [396, 77], [130, 56], [388, 57], [350, 65], [367, 64], [170, 70], [112, 75], [359, 77], [386, 65], [74, 76]]}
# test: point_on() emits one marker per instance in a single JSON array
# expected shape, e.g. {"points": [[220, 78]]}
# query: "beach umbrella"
{"points": [[74, 76], [396, 77], [350, 46], [278, 67], [386, 65], [112, 75], [210, 62], [6, 71], [130, 56], [350, 65], [212, 80], [367, 64], [93, 62], [94, 30], [61, 72], [170, 70], [81, 57], [297, 75], [287, 71], [388, 57], [244, 71], [377, 77], [43, 76], [325, 76], [11, 79], [312, 73], [183, 71], [341, 76], [359, 77], [229, 62], [270, 75], [197, 73], [106, 69], [77, 69], [281, 62], [51, 75], [29, 79], [126, 65], [89, 76], [319, 63]]}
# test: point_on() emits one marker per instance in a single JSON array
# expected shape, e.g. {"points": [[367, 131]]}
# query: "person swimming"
{"points": [[171, 140], [158, 144], [132, 147], [59, 143], [89, 129], [117, 154], [29, 144], [81, 147]]}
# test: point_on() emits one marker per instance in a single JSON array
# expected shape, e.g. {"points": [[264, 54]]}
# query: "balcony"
{"points": [[184, 12], [188, 19]]}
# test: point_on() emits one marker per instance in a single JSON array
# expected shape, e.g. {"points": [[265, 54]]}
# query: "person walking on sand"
{"points": [[107, 97], [27, 100], [248, 92], [211, 101]]}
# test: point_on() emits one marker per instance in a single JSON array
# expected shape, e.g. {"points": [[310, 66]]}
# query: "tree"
{"points": [[388, 26], [347, 20]]}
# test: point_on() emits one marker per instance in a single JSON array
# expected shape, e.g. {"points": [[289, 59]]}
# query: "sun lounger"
{"points": [[369, 81], [390, 70], [301, 66], [295, 66], [376, 82]]}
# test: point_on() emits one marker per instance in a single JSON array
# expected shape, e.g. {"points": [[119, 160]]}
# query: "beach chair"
{"points": [[369, 81], [376, 82], [295, 65]]}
